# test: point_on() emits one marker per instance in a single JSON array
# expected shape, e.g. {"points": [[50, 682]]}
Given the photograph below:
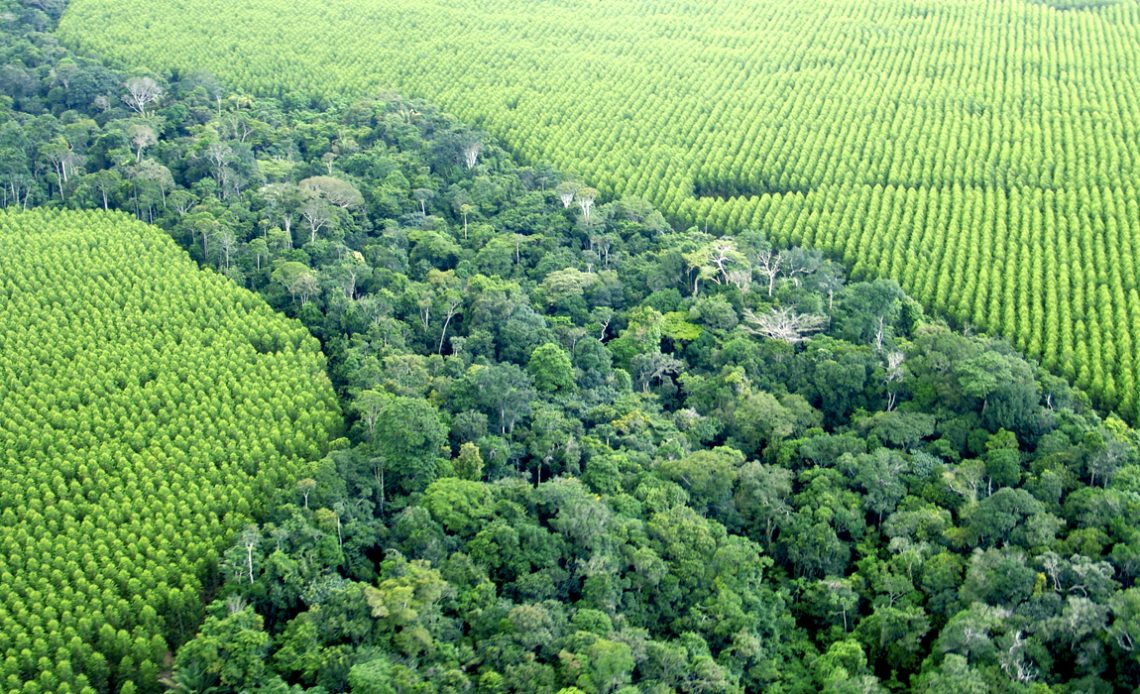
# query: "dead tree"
{"points": [[141, 92], [784, 324]]}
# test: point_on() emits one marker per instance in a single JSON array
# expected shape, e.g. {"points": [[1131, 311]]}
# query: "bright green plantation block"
{"points": [[147, 409]]}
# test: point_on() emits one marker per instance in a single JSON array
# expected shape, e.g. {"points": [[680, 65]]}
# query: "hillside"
{"points": [[149, 409], [984, 155]]}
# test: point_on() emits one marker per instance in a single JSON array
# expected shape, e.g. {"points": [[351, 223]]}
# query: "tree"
{"points": [[1125, 627], [471, 152], [372, 676], [282, 202], [868, 311], [106, 183], [448, 293], [406, 603], [369, 405], [759, 419], [505, 391], [998, 578], [1107, 459], [306, 487], [783, 324], [769, 263], [317, 212], [250, 538], [155, 175], [299, 279], [997, 516], [142, 135], [230, 164], [411, 441], [893, 377], [983, 375], [611, 664], [64, 159], [229, 652], [834, 600], [141, 93], [763, 498], [709, 477], [954, 676], [829, 280], [654, 367], [1003, 460], [335, 191], [551, 369], [1014, 662], [469, 463], [566, 288], [465, 209], [900, 631], [460, 506], [720, 262], [880, 474], [351, 270], [422, 195], [566, 191], [799, 263], [585, 198]]}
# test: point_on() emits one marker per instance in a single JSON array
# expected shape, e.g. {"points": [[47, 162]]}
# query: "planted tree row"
{"points": [[149, 408], [982, 155]]}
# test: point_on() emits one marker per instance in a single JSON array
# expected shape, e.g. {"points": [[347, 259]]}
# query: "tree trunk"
{"points": [[61, 178], [379, 473], [443, 334]]}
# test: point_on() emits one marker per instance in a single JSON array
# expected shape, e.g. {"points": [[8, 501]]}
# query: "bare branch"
{"points": [[784, 324], [768, 263], [141, 92], [566, 192], [471, 154]]}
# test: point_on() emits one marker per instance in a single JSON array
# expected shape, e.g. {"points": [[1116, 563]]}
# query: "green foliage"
{"points": [[372, 677], [551, 369], [590, 452], [149, 409], [777, 124], [460, 506], [410, 441], [230, 651]]}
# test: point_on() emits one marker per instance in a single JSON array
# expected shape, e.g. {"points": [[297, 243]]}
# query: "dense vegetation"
{"points": [[982, 154], [148, 410], [589, 451], [579, 461]]}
